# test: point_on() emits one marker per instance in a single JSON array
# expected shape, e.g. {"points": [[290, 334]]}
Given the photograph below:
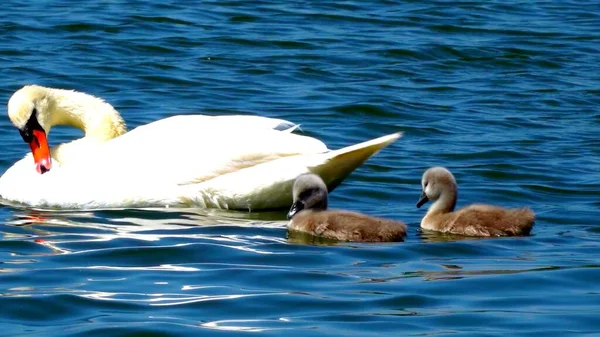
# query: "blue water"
{"points": [[504, 93]]}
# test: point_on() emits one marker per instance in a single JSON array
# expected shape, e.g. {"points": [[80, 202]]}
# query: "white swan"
{"points": [[232, 162]]}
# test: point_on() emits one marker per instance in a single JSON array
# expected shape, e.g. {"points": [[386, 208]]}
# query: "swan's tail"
{"points": [[338, 164], [269, 185]]}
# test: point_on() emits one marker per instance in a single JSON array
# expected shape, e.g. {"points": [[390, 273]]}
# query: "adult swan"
{"points": [[233, 162]]}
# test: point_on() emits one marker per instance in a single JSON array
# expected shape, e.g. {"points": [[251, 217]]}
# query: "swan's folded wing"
{"points": [[232, 122], [184, 151], [239, 163], [269, 185]]}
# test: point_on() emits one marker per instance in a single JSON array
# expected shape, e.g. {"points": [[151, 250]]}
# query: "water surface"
{"points": [[504, 93]]}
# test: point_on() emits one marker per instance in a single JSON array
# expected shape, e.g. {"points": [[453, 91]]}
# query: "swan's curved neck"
{"points": [[96, 118], [446, 202]]}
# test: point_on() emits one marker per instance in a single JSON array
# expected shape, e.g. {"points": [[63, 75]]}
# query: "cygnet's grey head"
{"points": [[435, 181], [310, 192]]}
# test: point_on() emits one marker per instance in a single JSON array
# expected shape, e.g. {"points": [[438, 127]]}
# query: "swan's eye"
{"points": [[25, 134], [32, 124]]}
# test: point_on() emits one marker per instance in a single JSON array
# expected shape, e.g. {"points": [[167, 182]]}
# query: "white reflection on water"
{"points": [[163, 267], [149, 225], [145, 219], [244, 324], [159, 299]]}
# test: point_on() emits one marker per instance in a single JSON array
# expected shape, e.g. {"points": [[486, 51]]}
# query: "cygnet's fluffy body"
{"points": [[309, 214], [439, 186]]}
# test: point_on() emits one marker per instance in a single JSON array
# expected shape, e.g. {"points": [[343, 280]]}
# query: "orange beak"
{"points": [[41, 151]]}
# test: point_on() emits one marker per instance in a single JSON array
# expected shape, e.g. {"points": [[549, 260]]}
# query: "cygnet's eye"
{"points": [[426, 183]]}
